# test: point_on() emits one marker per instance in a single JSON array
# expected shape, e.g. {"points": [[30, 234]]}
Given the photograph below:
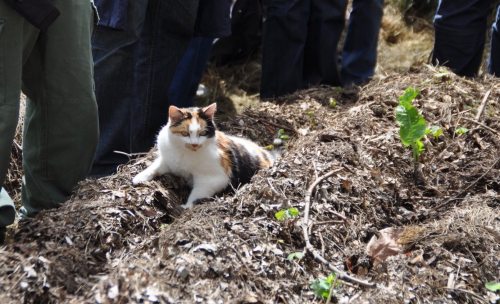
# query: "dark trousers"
{"points": [[300, 45], [133, 72], [189, 73], [359, 54], [460, 35], [54, 70]]}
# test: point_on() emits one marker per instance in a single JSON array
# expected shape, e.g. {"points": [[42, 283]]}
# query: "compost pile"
{"points": [[116, 243]]}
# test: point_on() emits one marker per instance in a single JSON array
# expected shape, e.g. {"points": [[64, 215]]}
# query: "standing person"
{"points": [[359, 54], [137, 47], [212, 21], [460, 33], [52, 65], [300, 45]]}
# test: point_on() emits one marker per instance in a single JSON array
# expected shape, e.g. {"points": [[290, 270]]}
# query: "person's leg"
{"points": [[115, 55], [460, 34], [17, 38], [325, 27], [285, 35], [494, 60], [61, 125], [189, 73], [359, 54], [168, 30]]}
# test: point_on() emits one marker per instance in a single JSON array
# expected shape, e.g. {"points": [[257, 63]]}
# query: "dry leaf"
{"points": [[379, 249]]}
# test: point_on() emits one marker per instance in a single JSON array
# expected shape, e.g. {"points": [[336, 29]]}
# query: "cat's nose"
{"points": [[194, 145]]}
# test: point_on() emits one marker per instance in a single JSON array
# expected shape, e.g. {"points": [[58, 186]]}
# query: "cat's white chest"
{"points": [[204, 163]]}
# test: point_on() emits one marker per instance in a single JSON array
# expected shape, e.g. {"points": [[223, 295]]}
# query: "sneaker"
{"points": [[23, 216]]}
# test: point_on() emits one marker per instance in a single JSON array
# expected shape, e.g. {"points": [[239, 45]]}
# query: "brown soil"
{"points": [[115, 243]]}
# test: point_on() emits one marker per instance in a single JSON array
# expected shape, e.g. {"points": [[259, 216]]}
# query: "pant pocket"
{"points": [[2, 69]]}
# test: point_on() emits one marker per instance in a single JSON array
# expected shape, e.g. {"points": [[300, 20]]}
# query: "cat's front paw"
{"points": [[188, 205], [142, 177]]}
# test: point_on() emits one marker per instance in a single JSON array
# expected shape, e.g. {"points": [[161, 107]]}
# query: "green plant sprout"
{"points": [[338, 89], [412, 125], [321, 287], [312, 121], [299, 255], [332, 103], [474, 110], [282, 135], [269, 147], [435, 131], [286, 213], [493, 286], [461, 130]]}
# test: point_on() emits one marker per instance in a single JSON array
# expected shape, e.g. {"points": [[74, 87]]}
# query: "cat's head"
{"points": [[192, 128]]}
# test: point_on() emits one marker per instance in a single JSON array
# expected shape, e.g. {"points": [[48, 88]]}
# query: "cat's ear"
{"points": [[209, 111], [175, 113]]}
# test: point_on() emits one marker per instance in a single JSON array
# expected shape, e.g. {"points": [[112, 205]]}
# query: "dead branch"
{"points": [[278, 126], [482, 125], [466, 189], [309, 247], [483, 103]]}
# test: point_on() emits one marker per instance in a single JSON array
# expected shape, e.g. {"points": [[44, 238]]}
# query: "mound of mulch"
{"points": [[116, 243]]}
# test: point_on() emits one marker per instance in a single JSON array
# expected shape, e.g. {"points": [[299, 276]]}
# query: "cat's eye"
{"points": [[185, 133], [203, 133]]}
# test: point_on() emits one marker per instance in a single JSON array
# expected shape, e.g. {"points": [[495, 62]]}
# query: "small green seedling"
{"points": [[321, 287], [412, 125], [337, 89], [299, 255], [269, 147], [461, 130], [286, 213], [282, 135], [435, 131], [310, 113], [163, 226], [332, 103], [493, 286], [474, 110]]}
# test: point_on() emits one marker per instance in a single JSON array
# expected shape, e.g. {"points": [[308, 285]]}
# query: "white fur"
{"points": [[201, 167]]}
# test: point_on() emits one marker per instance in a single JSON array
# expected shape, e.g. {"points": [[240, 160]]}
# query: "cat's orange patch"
{"points": [[188, 118], [223, 144], [264, 162]]}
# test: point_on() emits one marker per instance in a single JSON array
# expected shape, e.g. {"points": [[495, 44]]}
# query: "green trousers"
{"points": [[55, 71]]}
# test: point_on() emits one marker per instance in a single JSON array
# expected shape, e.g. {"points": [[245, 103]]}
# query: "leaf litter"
{"points": [[115, 243]]}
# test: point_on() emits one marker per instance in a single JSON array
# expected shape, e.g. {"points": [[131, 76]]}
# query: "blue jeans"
{"points": [[300, 45], [189, 72], [460, 35], [359, 54], [494, 60], [133, 71]]}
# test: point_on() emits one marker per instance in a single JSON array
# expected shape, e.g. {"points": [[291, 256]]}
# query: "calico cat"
{"points": [[190, 146]]}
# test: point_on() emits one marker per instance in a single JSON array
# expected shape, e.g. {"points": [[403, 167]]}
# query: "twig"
{"points": [[130, 154], [272, 188], [310, 248], [336, 214], [483, 103], [482, 125], [326, 222], [466, 189], [278, 126], [331, 290]]}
